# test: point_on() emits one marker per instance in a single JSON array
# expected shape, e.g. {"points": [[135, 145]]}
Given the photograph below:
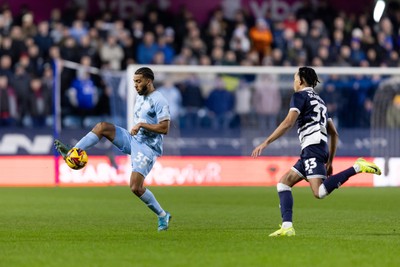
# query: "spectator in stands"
{"points": [[83, 97], [137, 31], [220, 104], [21, 82], [393, 60], [43, 39], [357, 54], [323, 55], [166, 49], [78, 30], [367, 39], [393, 113], [6, 66], [372, 58], [28, 26], [8, 103], [243, 105], [266, 100], [229, 58], [261, 38], [302, 29], [185, 57], [174, 98], [8, 21], [278, 35], [47, 77], [383, 46], [35, 60], [312, 43], [112, 53], [57, 32], [276, 57], [295, 51], [69, 49], [55, 17], [332, 97], [118, 30], [217, 56], [87, 48], [193, 33], [358, 90], [192, 102], [343, 60], [290, 22], [336, 45], [18, 40], [8, 48], [147, 49], [218, 23], [240, 43], [39, 104]]}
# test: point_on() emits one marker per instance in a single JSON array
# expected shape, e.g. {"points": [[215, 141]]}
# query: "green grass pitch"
{"points": [[211, 226]]}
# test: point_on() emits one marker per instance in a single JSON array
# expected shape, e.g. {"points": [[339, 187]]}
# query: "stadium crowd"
{"points": [[313, 36]]}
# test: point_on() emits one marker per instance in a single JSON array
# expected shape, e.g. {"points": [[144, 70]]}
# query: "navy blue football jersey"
{"points": [[313, 117]]}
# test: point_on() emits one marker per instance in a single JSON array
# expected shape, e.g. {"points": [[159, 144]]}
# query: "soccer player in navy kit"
{"points": [[143, 142], [315, 163]]}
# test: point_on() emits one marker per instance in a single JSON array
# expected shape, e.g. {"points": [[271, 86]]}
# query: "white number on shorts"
{"points": [[310, 164], [142, 159]]}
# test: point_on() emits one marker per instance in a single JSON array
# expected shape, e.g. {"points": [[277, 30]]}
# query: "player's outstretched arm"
{"points": [[285, 125], [333, 141], [162, 127]]}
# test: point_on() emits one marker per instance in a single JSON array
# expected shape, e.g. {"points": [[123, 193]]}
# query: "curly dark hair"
{"points": [[146, 72], [309, 76]]}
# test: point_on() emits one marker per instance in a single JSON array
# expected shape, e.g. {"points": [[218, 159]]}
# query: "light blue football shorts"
{"points": [[142, 156]]}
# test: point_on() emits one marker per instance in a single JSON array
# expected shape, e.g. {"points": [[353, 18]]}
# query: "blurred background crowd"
{"points": [[314, 35]]}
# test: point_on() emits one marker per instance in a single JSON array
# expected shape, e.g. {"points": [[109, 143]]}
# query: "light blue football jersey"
{"points": [[151, 109]]}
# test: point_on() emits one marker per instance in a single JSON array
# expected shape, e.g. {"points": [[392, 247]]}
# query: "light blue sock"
{"points": [[88, 141], [149, 199]]}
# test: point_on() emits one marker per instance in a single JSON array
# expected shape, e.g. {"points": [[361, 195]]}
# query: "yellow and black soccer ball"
{"points": [[76, 158]]}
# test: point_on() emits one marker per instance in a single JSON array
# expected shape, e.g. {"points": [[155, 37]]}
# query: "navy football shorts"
{"points": [[312, 161]]}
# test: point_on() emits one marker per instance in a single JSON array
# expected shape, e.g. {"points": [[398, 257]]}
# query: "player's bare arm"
{"points": [[285, 125], [161, 128], [333, 141]]}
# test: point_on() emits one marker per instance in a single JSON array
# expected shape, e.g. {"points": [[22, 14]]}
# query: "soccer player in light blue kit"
{"points": [[315, 163], [144, 141]]}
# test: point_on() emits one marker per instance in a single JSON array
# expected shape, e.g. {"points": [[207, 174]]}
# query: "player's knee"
{"points": [[100, 127], [321, 193], [138, 191], [283, 187], [316, 195]]}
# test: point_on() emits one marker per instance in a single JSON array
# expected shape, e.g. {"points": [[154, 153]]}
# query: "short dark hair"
{"points": [[308, 75], [146, 72]]}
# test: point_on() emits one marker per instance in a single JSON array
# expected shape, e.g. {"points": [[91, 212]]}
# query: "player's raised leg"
{"points": [[61, 148], [101, 129], [361, 165], [145, 195], [335, 181]]}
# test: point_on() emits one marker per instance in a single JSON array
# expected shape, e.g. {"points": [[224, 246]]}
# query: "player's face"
{"points": [[296, 82], [142, 84]]}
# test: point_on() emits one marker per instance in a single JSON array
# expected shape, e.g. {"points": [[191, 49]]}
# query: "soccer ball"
{"points": [[76, 158]]}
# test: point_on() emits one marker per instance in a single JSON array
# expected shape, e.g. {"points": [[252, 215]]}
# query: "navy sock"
{"points": [[286, 205], [335, 181]]}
